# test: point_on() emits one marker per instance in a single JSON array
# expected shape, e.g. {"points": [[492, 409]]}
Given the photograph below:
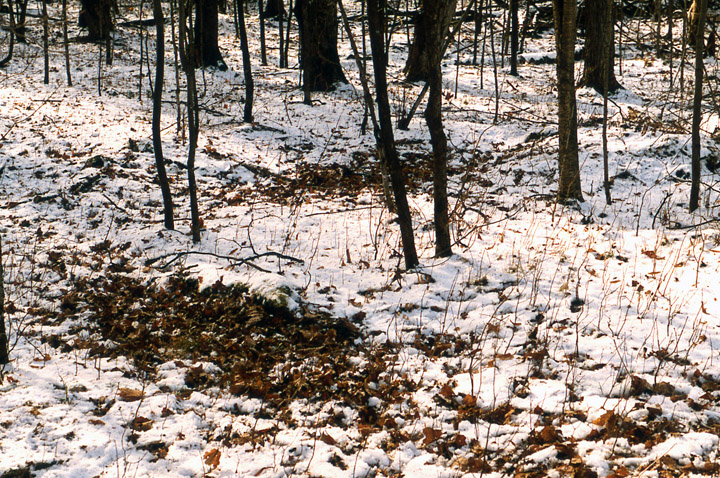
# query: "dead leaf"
{"points": [[459, 440], [446, 391], [431, 435], [326, 438], [549, 434], [653, 255], [638, 386], [469, 400], [604, 419], [212, 458], [621, 472], [95, 421], [141, 424], [129, 394]]}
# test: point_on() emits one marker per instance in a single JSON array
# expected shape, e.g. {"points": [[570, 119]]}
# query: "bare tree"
{"points": [[599, 51], [98, 17], [4, 358], [247, 66], [701, 14], [514, 34], [187, 59], [11, 33], [417, 65], [206, 35], [436, 20], [157, 113], [319, 59], [385, 137], [565, 15], [261, 19]]}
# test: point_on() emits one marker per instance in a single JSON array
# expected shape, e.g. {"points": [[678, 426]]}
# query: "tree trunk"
{"points": [[514, 34], [46, 43], [436, 18], [206, 35], [599, 51], [417, 66], [157, 113], [187, 58], [97, 17], [565, 14], [11, 33], [701, 14], [319, 60], [273, 8], [4, 358], [261, 19], [66, 43], [385, 137], [20, 28], [247, 66]]}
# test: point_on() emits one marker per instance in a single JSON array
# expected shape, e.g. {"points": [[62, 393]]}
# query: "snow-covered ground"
{"points": [[559, 340]]}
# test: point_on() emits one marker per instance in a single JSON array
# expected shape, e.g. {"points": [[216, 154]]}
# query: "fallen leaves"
{"points": [[129, 394], [212, 458], [141, 424]]}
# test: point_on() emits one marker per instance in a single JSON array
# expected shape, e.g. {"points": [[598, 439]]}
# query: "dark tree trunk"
{"points": [[20, 28], [565, 14], [187, 59], [701, 14], [599, 51], [261, 19], [514, 34], [66, 43], [274, 8], [247, 66], [206, 35], [157, 113], [385, 137], [436, 19], [11, 43], [417, 66], [97, 17], [4, 358], [319, 60]]}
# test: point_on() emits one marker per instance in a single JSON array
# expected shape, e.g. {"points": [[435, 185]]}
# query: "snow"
{"points": [[497, 322]]}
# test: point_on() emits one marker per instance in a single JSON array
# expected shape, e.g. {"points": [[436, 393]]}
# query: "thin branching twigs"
{"points": [[235, 260]]}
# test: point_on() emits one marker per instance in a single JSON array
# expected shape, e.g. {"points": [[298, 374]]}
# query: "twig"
{"points": [[236, 260], [340, 211], [692, 226]]}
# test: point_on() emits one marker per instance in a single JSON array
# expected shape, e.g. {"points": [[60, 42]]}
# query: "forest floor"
{"points": [[577, 340]]}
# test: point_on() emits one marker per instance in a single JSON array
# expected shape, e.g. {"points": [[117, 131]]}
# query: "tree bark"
{"points": [[417, 66], [206, 35], [261, 19], [514, 34], [319, 59], [599, 51], [20, 28], [157, 113], [247, 66], [97, 17], [565, 14], [701, 14], [437, 16], [11, 44], [273, 8], [187, 59], [4, 358], [385, 137]]}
